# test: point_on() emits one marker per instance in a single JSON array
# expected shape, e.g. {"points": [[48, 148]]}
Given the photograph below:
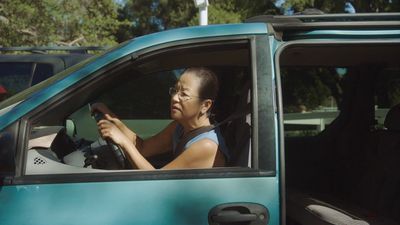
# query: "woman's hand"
{"points": [[108, 114], [109, 130], [101, 107]]}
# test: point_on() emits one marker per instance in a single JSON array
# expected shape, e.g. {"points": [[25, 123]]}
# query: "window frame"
{"points": [[98, 77], [305, 43], [279, 98]]}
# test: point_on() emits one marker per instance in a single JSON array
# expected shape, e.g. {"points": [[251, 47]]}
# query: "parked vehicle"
{"points": [[320, 145], [28, 66]]}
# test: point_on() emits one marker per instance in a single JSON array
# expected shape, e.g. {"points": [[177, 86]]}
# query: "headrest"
{"points": [[392, 120]]}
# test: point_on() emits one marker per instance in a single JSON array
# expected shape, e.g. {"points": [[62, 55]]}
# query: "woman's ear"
{"points": [[206, 106]]}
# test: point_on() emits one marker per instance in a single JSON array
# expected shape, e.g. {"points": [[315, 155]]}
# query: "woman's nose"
{"points": [[175, 97]]}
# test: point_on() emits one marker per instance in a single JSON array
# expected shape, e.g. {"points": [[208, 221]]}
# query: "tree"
{"points": [[306, 88], [152, 16], [219, 13], [327, 6], [58, 22]]}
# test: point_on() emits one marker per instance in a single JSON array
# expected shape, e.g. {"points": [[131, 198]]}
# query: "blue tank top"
{"points": [[213, 135]]}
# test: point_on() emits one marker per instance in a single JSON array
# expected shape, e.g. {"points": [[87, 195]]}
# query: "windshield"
{"points": [[29, 91]]}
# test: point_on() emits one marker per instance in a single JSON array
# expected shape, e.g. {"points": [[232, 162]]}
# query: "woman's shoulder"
{"points": [[212, 135], [215, 136]]}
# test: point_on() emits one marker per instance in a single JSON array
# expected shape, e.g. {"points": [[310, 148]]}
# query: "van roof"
{"points": [[330, 21]]}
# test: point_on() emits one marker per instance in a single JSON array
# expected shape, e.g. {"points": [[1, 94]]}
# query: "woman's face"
{"points": [[186, 104]]}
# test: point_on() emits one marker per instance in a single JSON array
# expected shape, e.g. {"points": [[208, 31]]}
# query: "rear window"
{"points": [[18, 76], [311, 98], [15, 77], [41, 73]]}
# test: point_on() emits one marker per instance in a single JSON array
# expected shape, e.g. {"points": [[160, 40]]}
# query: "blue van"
{"points": [[319, 145]]}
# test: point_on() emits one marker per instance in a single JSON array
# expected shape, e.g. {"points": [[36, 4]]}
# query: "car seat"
{"points": [[237, 133], [376, 193]]}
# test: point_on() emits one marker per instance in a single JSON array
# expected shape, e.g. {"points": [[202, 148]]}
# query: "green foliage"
{"points": [[152, 16], [305, 89], [337, 6], [219, 13], [236, 11], [255, 7], [104, 22], [58, 22], [299, 5]]}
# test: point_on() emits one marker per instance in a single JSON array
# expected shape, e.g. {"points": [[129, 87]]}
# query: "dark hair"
{"points": [[208, 82]]}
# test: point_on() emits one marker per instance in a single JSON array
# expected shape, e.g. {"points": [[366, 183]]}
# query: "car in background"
{"points": [[22, 67]]}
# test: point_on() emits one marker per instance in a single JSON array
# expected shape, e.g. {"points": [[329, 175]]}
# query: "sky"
{"points": [[120, 2], [279, 3]]}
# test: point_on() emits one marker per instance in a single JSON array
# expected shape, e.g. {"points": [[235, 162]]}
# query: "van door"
{"points": [[49, 191]]}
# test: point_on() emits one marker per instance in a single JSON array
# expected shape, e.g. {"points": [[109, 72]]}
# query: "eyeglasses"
{"points": [[182, 96]]}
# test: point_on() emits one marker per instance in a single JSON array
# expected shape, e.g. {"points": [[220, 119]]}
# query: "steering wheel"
{"points": [[119, 154]]}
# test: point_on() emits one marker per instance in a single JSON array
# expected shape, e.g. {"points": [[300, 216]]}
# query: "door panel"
{"points": [[133, 202], [158, 200]]}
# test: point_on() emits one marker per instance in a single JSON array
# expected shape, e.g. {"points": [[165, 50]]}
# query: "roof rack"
{"points": [[45, 49], [330, 21]]}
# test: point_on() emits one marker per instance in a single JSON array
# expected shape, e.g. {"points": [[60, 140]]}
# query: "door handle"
{"points": [[233, 216], [243, 213]]}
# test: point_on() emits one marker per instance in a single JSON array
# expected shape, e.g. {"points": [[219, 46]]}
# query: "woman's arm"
{"points": [[109, 115], [200, 154], [160, 143], [133, 137]]}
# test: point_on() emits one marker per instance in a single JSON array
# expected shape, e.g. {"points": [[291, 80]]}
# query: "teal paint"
{"points": [[274, 46], [344, 34], [162, 202], [183, 201]]}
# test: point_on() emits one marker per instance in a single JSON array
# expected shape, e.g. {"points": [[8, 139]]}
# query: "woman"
{"points": [[191, 101]]}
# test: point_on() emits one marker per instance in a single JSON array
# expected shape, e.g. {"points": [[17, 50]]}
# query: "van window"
{"points": [[387, 94], [18, 76], [311, 98], [15, 76], [143, 98], [137, 92], [42, 72]]}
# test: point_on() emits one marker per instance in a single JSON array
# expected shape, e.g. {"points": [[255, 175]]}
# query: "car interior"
{"points": [[64, 138], [341, 111]]}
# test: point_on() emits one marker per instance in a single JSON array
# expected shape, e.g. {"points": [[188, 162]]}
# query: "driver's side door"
{"points": [[59, 193]]}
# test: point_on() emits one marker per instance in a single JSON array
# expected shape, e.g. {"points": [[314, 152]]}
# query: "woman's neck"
{"points": [[194, 124]]}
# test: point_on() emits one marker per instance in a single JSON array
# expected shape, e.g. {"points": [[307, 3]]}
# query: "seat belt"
{"points": [[193, 133]]}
